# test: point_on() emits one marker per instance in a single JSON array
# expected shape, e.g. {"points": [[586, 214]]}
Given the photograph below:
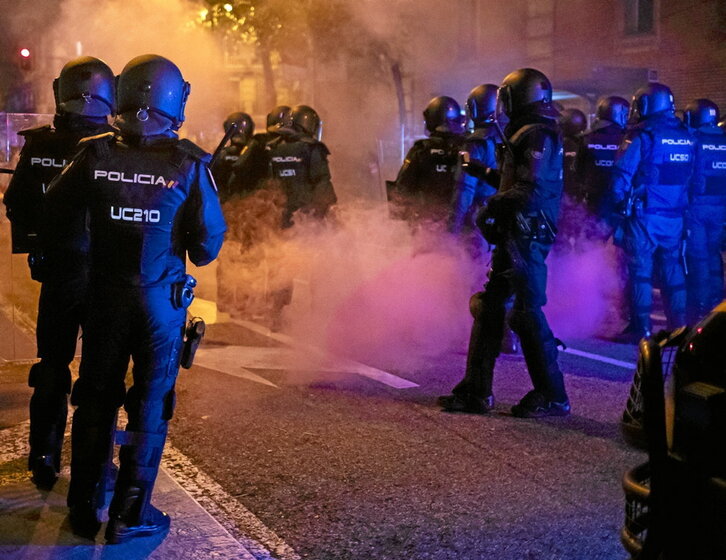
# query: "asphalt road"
{"points": [[342, 464]]}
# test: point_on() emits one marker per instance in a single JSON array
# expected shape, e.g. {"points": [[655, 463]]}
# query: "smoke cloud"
{"points": [[118, 30], [362, 285], [365, 285]]}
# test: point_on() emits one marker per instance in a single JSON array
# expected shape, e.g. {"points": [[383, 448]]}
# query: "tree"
{"points": [[298, 32]]}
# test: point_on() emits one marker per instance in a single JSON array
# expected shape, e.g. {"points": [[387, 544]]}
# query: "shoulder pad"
{"points": [[191, 149], [100, 143], [317, 144], [528, 128], [36, 130]]}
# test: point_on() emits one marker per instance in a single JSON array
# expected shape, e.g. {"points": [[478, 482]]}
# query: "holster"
{"points": [[193, 335]]}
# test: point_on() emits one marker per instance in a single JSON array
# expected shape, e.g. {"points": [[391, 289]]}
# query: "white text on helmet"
{"points": [[714, 147]]}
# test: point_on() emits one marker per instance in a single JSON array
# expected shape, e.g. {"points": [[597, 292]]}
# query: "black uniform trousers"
{"points": [[123, 322], [653, 242], [519, 269], [61, 312]]}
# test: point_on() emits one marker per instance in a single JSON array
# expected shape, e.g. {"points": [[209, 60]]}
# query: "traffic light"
{"points": [[26, 58]]}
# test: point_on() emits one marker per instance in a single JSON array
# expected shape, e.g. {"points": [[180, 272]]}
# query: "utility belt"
{"points": [[535, 227], [665, 212], [530, 227]]}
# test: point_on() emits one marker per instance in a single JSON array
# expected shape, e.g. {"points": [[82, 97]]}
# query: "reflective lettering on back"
{"points": [[47, 162], [124, 214]]}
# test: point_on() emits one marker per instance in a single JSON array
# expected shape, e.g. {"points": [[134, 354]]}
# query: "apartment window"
{"points": [[639, 16]]}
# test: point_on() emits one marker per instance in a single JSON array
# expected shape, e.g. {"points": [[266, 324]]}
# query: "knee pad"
{"points": [[519, 321], [476, 305], [169, 405], [45, 376], [525, 322], [153, 404], [85, 394]]}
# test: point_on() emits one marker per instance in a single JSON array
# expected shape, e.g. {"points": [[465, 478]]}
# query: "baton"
{"points": [[227, 135]]}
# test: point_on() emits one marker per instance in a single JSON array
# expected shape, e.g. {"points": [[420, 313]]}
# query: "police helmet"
{"points": [[527, 91], [650, 100], [573, 122], [305, 119], [614, 109], [85, 87], [481, 105], [152, 83], [443, 114], [701, 112], [245, 125], [278, 117]]}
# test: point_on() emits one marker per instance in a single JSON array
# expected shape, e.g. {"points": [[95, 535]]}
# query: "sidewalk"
{"points": [[34, 524]]}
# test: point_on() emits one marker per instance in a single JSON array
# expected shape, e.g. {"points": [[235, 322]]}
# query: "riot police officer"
{"points": [[252, 167], [595, 161], [152, 202], [426, 177], [573, 123], [298, 163], [521, 221], [650, 184], [84, 95], [222, 167], [474, 177], [707, 210]]}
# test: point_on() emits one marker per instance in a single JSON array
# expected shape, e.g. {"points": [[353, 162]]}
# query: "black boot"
{"points": [[466, 403], [131, 516], [44, 472], [84, 520]]}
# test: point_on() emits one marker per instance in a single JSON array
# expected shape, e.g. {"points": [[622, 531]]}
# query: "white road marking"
{"points": [[334, 363], [236, 519], [230, 360], [599, 358]]}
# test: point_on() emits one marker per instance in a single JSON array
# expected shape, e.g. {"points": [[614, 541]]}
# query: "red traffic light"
{"points": [[26, 59]]}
